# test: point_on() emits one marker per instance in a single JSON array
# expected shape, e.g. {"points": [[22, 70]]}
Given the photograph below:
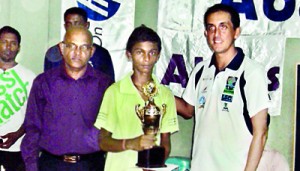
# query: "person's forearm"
{"points": [[255, 152], [112, 145], [184, 109], [167, 151], [107, 143], [21, 131], [30, 150], [91, 138], [166, 143]]}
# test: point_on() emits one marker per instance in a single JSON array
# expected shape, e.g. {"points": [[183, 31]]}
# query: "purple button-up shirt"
{"points": [[61, 113]]}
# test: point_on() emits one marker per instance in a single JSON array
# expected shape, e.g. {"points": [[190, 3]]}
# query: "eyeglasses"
{"points": [[82, 48]]}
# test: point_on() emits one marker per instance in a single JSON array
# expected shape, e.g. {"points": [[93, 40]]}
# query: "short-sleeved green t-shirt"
{"points": [[117, 115]]}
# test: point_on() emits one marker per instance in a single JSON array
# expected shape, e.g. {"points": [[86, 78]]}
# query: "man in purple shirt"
{"points": [[62, 107]]}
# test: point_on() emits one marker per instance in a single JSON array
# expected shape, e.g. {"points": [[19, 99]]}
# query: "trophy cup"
{"points": [[150, 116]]}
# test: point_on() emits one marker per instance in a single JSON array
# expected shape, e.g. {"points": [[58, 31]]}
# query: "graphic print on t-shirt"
{"points": [[13, 94]]}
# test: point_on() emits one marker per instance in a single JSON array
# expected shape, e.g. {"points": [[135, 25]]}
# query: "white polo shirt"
{"points": [[221, 136]]}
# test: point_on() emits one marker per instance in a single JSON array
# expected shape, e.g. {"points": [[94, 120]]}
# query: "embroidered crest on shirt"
{"points": [[204, 90], [201, 102], [225, 108], [229, 89]]}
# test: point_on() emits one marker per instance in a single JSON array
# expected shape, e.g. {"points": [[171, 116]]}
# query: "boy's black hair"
{"points": [[235, 18], [8, 29], [143, 34], [76, 10]]}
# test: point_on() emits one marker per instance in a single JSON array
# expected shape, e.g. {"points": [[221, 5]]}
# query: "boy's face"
{"points": [[75, 20], [144, 55]]}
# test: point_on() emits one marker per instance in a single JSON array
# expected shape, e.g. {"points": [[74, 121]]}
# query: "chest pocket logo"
{"points": [[228, 91]]}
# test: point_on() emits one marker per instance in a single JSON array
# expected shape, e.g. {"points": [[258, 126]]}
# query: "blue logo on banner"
{"points": [[99, 10]]}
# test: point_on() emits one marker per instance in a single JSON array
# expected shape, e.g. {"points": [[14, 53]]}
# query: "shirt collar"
{"points": [[88, 73], [127, 86], [12, 68], [235, 62]]}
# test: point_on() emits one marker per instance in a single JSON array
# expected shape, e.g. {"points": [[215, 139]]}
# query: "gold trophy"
{"points": [[150, 116]]}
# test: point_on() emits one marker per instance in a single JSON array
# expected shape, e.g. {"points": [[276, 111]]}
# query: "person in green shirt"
{"points": [[121, 129]]}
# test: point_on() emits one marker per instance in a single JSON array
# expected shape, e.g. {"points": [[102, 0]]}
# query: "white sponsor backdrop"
{"points": [[112, 31], [265, 27]]}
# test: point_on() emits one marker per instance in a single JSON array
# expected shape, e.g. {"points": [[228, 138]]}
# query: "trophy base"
{"points": [[151, 158]]}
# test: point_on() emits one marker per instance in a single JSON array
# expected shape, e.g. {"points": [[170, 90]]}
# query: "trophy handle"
{"points": [[162, 113], [139, 112]]}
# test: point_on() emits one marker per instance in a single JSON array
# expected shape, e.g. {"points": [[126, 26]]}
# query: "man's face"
{"points": [[75, 20], [77, 49], [9, 47], [220, 33], [144, 55]]}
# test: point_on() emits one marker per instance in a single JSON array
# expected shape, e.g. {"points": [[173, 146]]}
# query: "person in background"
{"points": [[228, 96], [121, 129], [101, 58], [62, 108], [15, 84]]}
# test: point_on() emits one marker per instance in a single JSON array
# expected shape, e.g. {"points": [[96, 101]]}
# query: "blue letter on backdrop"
{"points": [[274, 85], [198, 59], [282, 15], [246, 6], [176, 61]]}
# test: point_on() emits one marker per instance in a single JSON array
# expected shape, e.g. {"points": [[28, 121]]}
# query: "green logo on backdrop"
{"points": [[13, 94]]}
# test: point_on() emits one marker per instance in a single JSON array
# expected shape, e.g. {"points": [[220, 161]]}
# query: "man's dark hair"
{"points": [[8, 29], [143, 34], [76, 10], [235, 18]]}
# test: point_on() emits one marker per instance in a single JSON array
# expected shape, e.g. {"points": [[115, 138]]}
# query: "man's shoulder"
{"points": [[102, 76], [49, 74], [24, 68], [25, 71], [100, 49], [165, 90], [202, 64], [53, 53], [123, 85], [53, 48]]}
